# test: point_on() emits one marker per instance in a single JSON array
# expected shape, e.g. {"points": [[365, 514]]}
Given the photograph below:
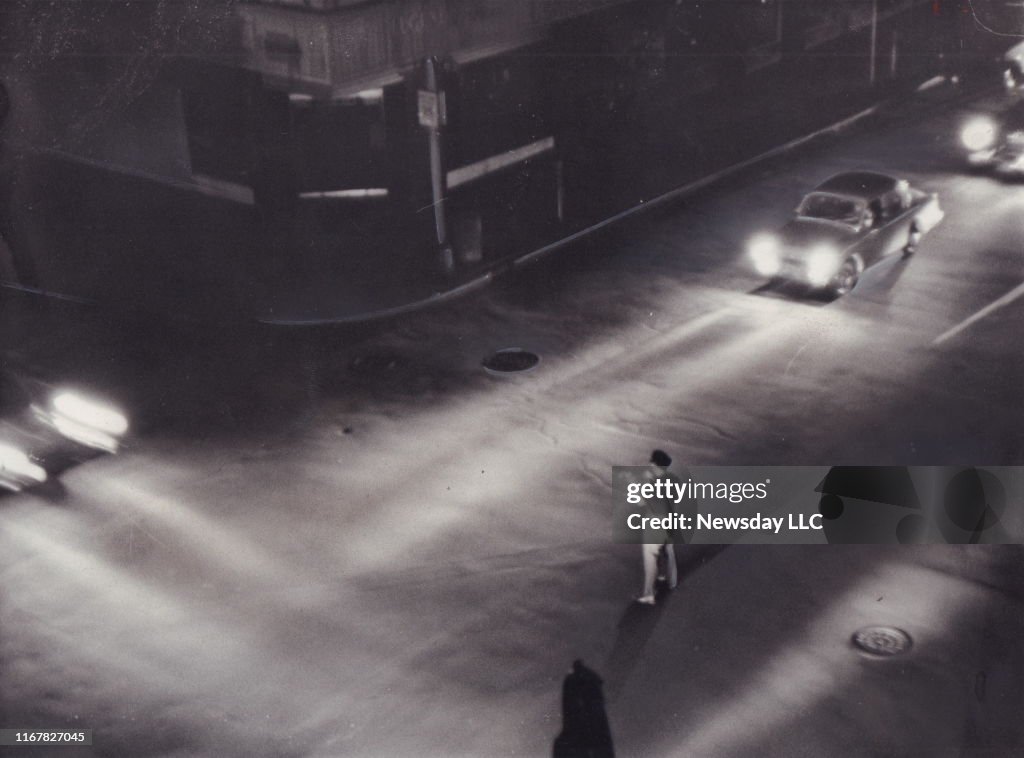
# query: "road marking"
{"points": [[995, 305]]}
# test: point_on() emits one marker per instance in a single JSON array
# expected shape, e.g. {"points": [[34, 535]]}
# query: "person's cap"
{"points": [[661, 459]]}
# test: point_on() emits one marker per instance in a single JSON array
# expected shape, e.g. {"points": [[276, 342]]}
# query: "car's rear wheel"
{"points": [[846, 279], [913, 240]]}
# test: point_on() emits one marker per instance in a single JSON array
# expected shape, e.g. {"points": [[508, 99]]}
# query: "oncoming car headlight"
{"points": [[822, 265], [17, 469], [979, 133], [87, 421], [764, 252]]}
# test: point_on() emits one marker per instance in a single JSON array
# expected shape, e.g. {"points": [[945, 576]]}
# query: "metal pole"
{"points": [[437, 176], [874, 39], [559, 191], [893, 55]]}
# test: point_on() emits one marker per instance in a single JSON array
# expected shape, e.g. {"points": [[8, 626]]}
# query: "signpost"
{"points": [[430, 107]]}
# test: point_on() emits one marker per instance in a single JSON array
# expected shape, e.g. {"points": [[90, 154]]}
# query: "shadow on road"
{"points": [[585, 730], [794, 292]]}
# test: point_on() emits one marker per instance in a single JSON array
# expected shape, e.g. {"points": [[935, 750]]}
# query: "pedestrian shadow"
{"points": [[638, 622], [585, 729]]}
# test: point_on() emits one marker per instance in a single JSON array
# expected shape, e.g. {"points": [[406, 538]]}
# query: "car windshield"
{"points": [[828, 207]]}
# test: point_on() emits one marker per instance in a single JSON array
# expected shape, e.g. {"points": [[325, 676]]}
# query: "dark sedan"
{"points": [[41, 425], [848, 223]]}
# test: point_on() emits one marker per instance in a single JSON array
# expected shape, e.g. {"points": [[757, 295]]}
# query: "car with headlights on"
{"points": [[42, 427], [996, 141], [1013, 68], [845, 225]]}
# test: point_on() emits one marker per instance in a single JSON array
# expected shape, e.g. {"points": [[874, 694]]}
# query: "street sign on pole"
{"points": [[430, 108]]}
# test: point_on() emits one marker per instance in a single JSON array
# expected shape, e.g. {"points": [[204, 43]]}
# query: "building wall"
{"points": [[189, 190]]}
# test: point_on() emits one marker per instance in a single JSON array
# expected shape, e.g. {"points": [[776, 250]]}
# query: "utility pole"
{"points": [[432, 115], [874, 40]]}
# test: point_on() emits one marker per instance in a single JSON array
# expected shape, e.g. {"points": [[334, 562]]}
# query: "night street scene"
{"points": [[327, 325]]}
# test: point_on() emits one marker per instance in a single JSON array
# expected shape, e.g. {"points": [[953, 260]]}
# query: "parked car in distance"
{"points": [[42, 426], [842, 227], [1013, 68]]}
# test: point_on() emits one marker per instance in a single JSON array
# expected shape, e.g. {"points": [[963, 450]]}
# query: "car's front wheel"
{"points": [[846, 279]]}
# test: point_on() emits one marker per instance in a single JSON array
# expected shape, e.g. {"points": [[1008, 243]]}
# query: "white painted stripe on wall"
{"points": [[473, 171], [222, 188], [345, 194]]}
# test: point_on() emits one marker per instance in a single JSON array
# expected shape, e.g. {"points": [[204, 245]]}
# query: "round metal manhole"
{"points": [[512, 360], [882, 640]]}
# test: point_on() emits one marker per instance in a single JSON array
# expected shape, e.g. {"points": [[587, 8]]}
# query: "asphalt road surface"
{"points": [[357, 542]]}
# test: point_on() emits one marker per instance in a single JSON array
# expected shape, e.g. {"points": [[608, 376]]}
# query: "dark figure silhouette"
{"points": [[585, 731]]}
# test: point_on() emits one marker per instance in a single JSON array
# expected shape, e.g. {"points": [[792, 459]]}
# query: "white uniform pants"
{"points": [[651, 553]]}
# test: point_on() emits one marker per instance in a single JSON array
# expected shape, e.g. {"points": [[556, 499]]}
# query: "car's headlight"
{"points": [[764, 252], [15, 464], [822, 265], [979, 133], [90, 413]]}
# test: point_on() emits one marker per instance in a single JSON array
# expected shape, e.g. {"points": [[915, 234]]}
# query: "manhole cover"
{"points": [[510, 361], [882, 640]]}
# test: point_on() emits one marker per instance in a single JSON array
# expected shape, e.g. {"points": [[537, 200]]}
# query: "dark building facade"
{"points": [[330, 160]]}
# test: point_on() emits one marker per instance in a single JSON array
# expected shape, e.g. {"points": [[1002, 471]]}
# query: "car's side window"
{"points": [[892, 205]]}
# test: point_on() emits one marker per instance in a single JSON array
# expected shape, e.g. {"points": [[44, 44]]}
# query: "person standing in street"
{"points": [[658, 542]]}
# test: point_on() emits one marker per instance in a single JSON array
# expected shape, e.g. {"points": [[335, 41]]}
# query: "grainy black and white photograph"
{"points": [[342, 342]]}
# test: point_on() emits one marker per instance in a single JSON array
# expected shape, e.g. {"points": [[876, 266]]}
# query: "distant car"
{"points": [[848, 223], [996, 141], [41, 425], [1013, 68]]}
